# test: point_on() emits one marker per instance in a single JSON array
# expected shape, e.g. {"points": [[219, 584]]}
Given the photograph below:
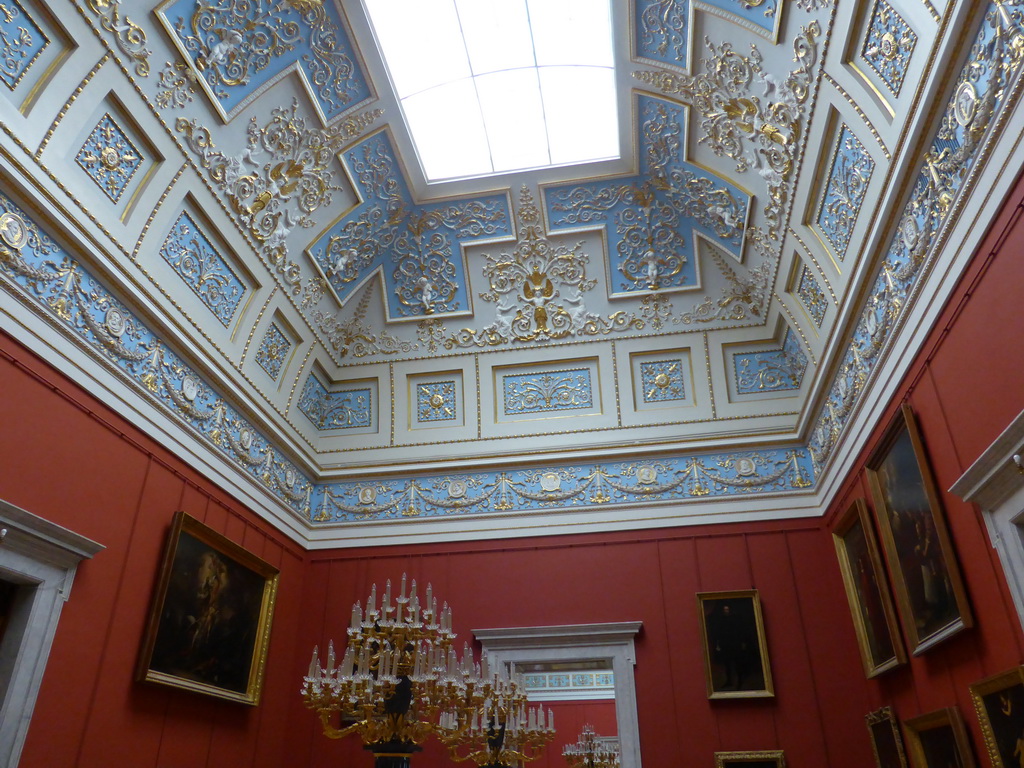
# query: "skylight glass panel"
{"points": [[489, 86]]}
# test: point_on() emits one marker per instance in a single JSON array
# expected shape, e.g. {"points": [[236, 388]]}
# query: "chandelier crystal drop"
{"points": [[400, 680]]}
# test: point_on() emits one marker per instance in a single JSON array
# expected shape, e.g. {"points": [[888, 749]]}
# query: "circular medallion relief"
{"points": [[745, 467], [289, 477], [965, 103], [115, 322], [190, 388], [245, 438], [550, 481], [13, 230], [909, 232], [367, 495], [889, 47], [646, 475], [457, 489]]}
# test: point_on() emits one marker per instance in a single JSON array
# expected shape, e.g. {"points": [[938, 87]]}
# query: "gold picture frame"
{"points": [[867, 590], [209, 627], [926, 579], [999, 704], [886, 744], [939, 740], [735, 652], [774, 758]]}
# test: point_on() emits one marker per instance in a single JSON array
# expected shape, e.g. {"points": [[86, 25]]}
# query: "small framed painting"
{"points": [[735, 652], [938, 740], [210, 623], [885, 739], [762, 759], [874, 619], [930, 594], [999, 702]]}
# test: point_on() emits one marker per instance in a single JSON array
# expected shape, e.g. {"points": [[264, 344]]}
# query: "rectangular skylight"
{"points": [[489, 86]]}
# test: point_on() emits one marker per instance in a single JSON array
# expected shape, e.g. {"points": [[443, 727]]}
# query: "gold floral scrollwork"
{"points": [[757, 132], [129, 36], [284, 174], [538, 291]]}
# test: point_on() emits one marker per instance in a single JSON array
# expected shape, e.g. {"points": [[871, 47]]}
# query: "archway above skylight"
{"points": [[490, 86]]}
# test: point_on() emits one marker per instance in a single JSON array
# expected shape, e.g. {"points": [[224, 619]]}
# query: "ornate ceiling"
{"points": [[213, 212]]}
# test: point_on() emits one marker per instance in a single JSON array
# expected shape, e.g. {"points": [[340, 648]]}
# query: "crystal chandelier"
{"points": [[505, 732], [400, 680], [591, 751]]}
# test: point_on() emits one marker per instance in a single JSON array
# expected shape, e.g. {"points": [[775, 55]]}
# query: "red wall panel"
{"points": [[67, 458]]}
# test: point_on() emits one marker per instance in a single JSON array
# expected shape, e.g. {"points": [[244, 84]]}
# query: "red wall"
{"points": [[964, 389], [652, 577], [66, 457]]}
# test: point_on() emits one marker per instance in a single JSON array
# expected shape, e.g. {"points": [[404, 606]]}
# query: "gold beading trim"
{"points": [[67, 105], [860, 112]]}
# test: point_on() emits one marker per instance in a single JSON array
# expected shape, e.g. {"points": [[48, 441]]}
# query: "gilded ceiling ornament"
{"points": [[129, 36], [21, 42], [178, 84], [649, 219], [238, 46], [995, 60], [538, 290], [282, 177], [354, 336], [417, 248], [773, 370], [758, 132], [663, 29]]}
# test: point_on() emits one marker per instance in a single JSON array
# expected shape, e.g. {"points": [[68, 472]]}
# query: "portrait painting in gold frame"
{"points": [[209, 627], [999, 704], [930, 593], [867, 590], [735, 652], [939, 740]]}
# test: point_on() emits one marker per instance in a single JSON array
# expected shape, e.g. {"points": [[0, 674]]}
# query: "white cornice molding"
{"points": [[994, 477]]}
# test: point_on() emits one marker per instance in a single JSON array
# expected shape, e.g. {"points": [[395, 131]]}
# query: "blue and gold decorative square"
{"points": [[196, 261], [662, 381], [811, 296], [435, 401], [273, 351], [845, 187], [350, 408], [547, 392], [109, 158], [889, 45], [768, 371], [21, 43]]}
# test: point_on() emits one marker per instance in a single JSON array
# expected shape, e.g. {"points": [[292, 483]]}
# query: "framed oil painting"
{"points": [[764, 759], [999, 702], [930, 594], [735, 653], [939, 740], [886, 743], [874, 619], [210, 622]]}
